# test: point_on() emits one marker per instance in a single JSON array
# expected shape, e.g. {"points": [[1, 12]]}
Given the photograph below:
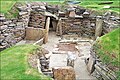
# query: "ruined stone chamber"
{"points": [[84, 27]]}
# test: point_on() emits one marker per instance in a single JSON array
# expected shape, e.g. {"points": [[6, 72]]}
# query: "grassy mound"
{"points": [[14, 64], [107, 48]]}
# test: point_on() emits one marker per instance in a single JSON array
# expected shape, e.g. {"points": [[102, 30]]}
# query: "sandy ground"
{"points": [[60, 59]]}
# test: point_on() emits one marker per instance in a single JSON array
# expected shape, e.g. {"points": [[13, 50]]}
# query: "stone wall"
{"points": [[37, 19], [110, 25], [81, 26], [11, 30]]}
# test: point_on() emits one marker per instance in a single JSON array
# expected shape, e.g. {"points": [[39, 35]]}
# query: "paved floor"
{"points": [[60, 59]]}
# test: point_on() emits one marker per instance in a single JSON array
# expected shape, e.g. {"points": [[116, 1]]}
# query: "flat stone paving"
{"points": [[60, 59]]}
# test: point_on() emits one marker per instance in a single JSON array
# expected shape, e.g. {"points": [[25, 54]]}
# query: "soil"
{"points": [[66, 47]]}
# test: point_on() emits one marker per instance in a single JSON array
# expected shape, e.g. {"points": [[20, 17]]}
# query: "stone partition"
{"points": [[34, 33]]}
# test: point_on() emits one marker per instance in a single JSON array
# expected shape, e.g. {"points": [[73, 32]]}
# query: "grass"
{"points": [[6, 5], [93, 4], [6, 8], [14, 64], [107, 48]]}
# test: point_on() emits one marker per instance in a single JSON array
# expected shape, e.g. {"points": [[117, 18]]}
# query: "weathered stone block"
{"points": [[90, 65], [64, 73], [34, 33], [3, 27]]}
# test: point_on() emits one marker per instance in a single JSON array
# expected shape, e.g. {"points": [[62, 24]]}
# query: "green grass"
{"points": [[6, 5], [107, 47], [93, 4], [14, 64]]}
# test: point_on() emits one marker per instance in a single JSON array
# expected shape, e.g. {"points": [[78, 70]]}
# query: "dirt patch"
{"points": [[66, 47]]}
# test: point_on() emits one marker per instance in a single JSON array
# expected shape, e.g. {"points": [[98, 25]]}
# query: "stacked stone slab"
{"points": [[110, 25], [82, 26], [11, 30], [110, 22], [37, 19], [24, 14]]}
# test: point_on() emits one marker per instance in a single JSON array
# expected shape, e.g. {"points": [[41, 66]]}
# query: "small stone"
{"points": [[3, 27], [33, 7], [23, 13], [12, 25], [7, 22], [2, 18]]}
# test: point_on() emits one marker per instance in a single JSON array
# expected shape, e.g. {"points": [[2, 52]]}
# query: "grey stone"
{"points": [[7, 22], [6, 34], [12, 25], [3, 27], [2, 18], [33, 7], [4, 43], [90, 65], [23, 13], [22, 8]]}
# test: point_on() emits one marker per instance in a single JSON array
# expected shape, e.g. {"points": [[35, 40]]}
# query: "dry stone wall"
{"points": [[110, 22], [83, 27], [110, 25], [37, 19], [11, 30]]}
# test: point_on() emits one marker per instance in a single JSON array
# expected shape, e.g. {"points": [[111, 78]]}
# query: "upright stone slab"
{"points": [[64, 73], [99, 27], [34, 33], [90, 65], [47, 30]]}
